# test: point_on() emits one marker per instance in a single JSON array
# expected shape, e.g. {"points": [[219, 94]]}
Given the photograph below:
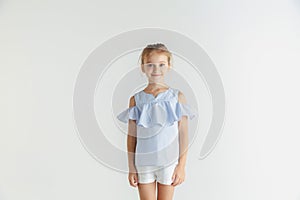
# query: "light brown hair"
{"points": [[155, 48]]}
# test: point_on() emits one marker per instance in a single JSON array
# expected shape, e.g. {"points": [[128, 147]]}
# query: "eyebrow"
{"points": [[159, 62]]}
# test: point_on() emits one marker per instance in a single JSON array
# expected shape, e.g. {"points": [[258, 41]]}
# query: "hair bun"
{"points": [[157, 46]]}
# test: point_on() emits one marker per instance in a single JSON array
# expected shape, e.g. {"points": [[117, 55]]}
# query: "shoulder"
{"points": [[181, 97], [131, 101]]}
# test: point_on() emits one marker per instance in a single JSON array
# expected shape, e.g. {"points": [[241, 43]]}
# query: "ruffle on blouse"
{"points": [[162, 113]]}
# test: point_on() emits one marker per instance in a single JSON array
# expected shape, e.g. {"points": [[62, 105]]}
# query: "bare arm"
{"points": [[131, 139], [183, 134]]}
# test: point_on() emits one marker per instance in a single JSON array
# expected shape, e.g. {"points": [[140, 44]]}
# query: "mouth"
{"points": [[155, 74]]}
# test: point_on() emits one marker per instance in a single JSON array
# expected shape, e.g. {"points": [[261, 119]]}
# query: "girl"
{"points": [[157, 130]]}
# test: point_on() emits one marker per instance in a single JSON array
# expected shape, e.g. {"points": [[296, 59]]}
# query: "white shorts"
{"points": [[163, 175]]}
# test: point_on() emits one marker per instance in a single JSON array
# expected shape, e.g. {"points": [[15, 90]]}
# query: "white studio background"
{"points": [[255, 46]]}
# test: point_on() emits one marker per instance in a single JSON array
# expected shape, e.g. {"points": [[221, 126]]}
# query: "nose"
{"points": [[155, 70], [156, 67]]}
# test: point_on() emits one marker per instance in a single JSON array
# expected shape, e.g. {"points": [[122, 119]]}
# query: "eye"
{"points": [[162, 65], [149, 65]]}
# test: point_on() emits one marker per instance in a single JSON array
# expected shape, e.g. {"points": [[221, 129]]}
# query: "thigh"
{"points": [[147, 191], [165, 192]]}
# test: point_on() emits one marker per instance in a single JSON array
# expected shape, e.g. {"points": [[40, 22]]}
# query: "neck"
{"points": [[156, 85]]}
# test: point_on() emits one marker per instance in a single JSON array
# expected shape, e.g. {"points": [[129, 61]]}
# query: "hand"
{"points": [[178, 175], [133, 178]]}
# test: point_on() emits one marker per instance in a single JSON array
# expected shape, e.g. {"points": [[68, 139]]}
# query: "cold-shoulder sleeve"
{"points": [[177, 110], [185, 110], [130, 113]]}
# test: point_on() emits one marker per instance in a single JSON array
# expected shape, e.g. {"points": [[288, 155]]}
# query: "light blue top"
{"points": [[157, 126]]}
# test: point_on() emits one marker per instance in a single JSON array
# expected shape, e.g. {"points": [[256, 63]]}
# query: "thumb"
{"points": [[173, 177], [136, 178]]}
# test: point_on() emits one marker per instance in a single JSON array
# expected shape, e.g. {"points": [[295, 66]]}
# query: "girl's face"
{"points": [[155, 67]]}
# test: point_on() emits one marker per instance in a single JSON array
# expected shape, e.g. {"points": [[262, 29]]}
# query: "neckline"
{"points": [[157, 94]]}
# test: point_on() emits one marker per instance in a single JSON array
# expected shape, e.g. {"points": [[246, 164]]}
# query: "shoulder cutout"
{"points": [[181, 98], [131, 102]]}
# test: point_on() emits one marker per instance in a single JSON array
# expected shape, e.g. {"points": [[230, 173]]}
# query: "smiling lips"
{"points": [[155, 74]]}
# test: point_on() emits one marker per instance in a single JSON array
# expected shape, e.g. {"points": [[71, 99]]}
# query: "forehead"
{"points": [[156, 57]]}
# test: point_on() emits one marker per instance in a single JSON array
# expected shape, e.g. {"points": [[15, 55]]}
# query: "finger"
{"points": [[173, 177], [129, 179], [132, 182], [136, 180], [175, 182], [178, 182]]}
